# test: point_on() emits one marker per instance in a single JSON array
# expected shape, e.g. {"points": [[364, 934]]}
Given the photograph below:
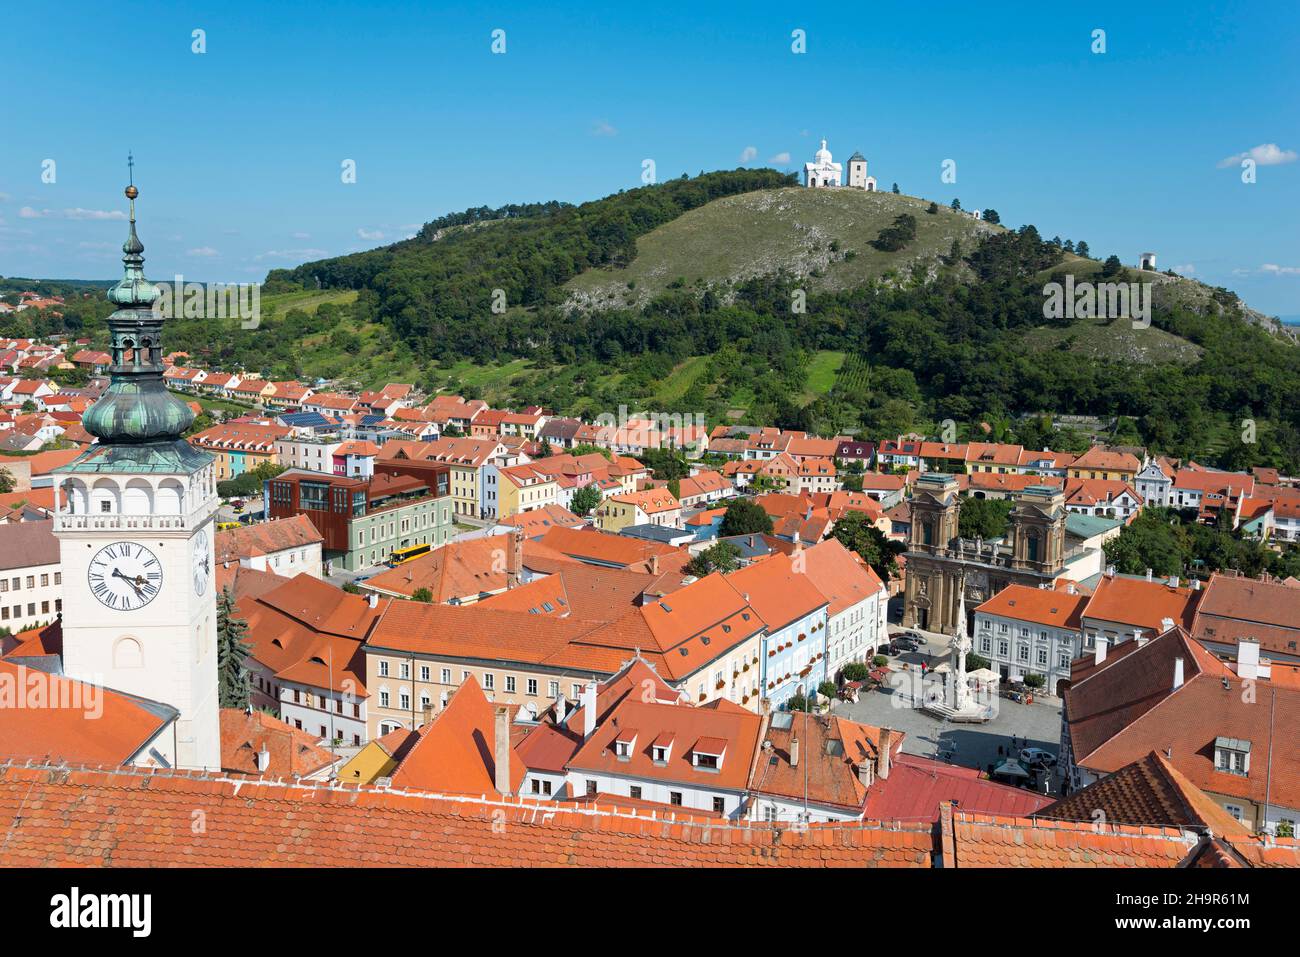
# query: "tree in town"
{"points": [[7, 482], [422, 594], [744, 516], [584, 500], [983, 517], [234, 686], [723, 557], [856, 533]]}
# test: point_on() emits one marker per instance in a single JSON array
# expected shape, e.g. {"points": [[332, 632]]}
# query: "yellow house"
{"points": [[652, 506], [378, 759], [1101, 463], [521, 488]]}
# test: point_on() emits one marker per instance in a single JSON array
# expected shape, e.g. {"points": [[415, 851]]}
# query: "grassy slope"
{"points": [[1117, 339], [759, 233]]}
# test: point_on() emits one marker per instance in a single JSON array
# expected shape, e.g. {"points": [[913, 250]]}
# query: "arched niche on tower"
{"points": [[128, 652], [137, 498], [170, 498], [77, 496], [105, 497]]}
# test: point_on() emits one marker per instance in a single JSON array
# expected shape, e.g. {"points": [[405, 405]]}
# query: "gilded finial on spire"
{"points": [[131, 191]]}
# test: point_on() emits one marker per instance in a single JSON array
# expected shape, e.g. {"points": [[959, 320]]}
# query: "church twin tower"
{"points": [[135, 528]]}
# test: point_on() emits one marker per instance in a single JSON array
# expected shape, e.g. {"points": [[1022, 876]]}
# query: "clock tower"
{"points": [[135, 527]]}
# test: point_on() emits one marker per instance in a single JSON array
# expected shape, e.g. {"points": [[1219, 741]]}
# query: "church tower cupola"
{"points": [[136, 408]]}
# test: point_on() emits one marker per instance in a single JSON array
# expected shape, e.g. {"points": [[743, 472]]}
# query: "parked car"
{"points": [[905, 642], [1037, 758]]}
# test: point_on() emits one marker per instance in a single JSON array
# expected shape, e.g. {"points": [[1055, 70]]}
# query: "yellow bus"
{"points": [[402, 555]]}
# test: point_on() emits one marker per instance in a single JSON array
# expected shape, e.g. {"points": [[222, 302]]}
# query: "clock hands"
{"points": [[133, 582]]}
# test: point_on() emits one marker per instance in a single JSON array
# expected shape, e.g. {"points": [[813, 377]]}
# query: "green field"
{"points": [[823, 369]]}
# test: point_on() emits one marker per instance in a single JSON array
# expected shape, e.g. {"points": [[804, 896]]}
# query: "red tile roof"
{"points": [[982, 840], [49, 717], [917, 787], [265, 538], [1043, 606], [91, 818], [291, 752], [455, 753], [1148, 791]]}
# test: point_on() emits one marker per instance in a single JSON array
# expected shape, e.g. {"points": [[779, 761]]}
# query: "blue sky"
{"points": [[239, 149]]}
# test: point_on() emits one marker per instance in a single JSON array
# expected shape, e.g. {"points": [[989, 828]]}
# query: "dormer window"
{"points": [[708, 753], [1232, 756], [624, 743], [662, 748]]}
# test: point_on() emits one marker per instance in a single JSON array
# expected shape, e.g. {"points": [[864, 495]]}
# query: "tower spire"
{"points": [[136, 408]]}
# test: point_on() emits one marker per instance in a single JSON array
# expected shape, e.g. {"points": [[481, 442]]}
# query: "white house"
{"points": [[31, 575], [1024, 631]]}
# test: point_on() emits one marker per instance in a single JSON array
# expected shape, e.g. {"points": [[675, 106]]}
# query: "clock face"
{"points": [[202, 563], [124, 576]]}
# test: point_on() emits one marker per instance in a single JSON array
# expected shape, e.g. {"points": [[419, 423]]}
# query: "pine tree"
{"points": [[895, 189], [233, 685]]}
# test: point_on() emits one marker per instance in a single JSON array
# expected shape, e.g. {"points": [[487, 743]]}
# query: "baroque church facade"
{"points": [[939, 560], [135, 529], [823, 172]]}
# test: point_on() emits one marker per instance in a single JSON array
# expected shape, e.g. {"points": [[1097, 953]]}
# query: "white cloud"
{"points": [[603, 128], [370, 233], [1186, 269], [1273, 269], [74, 213], [202, 252], [302, 235], [1266, 154], [294, 254], [749, 154], [780, 159]]}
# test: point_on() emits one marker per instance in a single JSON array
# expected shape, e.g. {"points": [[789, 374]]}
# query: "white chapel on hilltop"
{"points": [[824, 172]]}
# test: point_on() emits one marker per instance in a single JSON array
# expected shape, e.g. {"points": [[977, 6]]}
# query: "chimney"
{"points": [[515, 561], [1148, 574], [654, 564], [1069, 588], [501, 753], [1247, 658], [794, 751], [263, 759], [1110, 571], [589, 710], [1196, 584], [1139, 637], [1173, 581], [1166, 624], [1099, 651], [373, 599], [1178, 673], [883, 762], [561, 704]]}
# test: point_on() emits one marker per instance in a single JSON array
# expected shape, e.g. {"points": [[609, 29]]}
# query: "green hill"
{"points": [[822, 235], [736, 296]]}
